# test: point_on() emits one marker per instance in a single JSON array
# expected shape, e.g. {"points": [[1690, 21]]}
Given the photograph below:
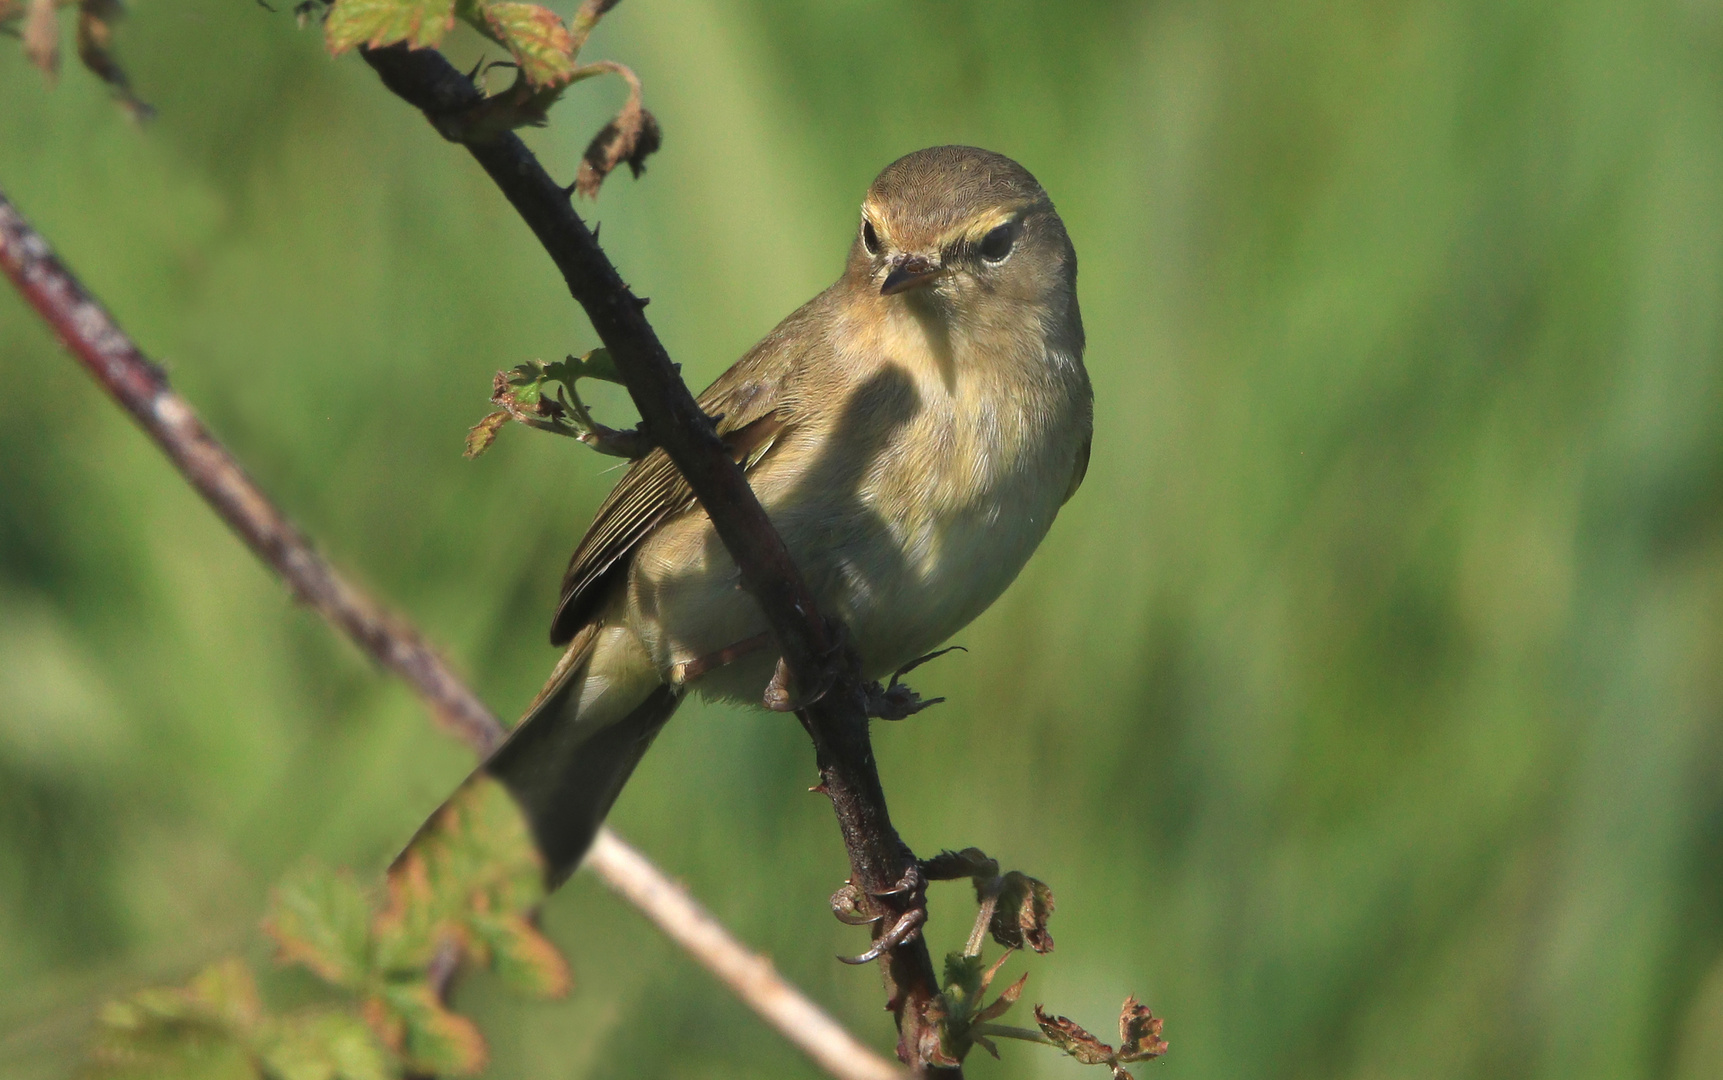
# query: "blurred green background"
{"points": [[1363, 709]]}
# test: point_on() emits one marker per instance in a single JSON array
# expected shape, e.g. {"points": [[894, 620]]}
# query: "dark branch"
{"points": [[824, 674]]}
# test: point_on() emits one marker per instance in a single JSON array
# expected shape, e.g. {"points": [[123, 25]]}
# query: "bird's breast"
{"points": [[955, 473], [911, 488]]}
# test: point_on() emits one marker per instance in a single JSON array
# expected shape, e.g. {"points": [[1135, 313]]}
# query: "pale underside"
{"points": [[910, 485]]}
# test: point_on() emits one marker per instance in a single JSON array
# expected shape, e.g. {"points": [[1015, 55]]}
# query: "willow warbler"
{"points": [[911, 431]]}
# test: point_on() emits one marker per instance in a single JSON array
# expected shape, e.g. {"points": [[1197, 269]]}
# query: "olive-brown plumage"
{"points": [[911, 431]]}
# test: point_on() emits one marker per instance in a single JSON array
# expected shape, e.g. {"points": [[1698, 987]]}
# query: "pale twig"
{"points": [[749, 976], [92, 336]]}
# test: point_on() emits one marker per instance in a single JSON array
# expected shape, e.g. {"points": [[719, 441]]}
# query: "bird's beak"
{"points": [[909, 272]]}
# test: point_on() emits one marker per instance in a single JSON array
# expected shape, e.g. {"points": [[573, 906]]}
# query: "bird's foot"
{"points": [[778, 697], [895, 701], [910, 895]]}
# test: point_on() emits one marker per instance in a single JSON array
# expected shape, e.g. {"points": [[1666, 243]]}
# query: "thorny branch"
{"points": [[823, 676], [97, 342]]}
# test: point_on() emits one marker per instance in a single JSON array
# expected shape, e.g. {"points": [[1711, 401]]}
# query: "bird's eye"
{"points": [[870, 239], [997, 244]]}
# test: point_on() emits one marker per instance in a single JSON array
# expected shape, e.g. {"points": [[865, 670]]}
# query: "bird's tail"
{"points": [[566, 762]]}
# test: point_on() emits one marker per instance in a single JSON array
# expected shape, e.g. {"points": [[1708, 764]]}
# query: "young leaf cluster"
{"points": [[544, 51], [1139, 1038], [465, 890], [1014, 908], [545, 396], [37, 24], [216, 1028]]}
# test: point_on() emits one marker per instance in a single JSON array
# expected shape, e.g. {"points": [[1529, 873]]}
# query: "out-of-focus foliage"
{"points": [[542, 48], [36, 23], [1363, 708], [216, 1027]]}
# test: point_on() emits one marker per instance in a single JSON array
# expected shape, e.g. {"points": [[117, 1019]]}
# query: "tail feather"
{"points": [[566, 780], [565, 774]]}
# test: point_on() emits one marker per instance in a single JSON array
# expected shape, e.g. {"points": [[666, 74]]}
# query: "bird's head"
{"points": [[966, 234]]}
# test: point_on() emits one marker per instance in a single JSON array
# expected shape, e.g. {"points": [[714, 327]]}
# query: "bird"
{"points": [[911, 432]]}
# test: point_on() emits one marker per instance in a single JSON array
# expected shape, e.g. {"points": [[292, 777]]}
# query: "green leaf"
{"points": [[587, 17], [323, 920], [405, 932], [522, 956], [199, 1030], [539, 41], [482, 434], [323, 1045], [597, 364], [525, 382], [376, 23], [474, 861], [433, 1038], [962, 984]]}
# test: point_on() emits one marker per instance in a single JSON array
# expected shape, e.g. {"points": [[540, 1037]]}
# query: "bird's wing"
{"points": [[753, 410]]}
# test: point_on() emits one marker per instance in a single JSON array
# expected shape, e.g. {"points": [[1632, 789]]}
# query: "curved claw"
{"points": [[846, 905], [906, 929], [910, 882]]}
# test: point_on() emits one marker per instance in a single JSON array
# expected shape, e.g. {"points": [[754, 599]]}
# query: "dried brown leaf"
{"points": [[1070, 1037], [1139, 1032], [935, 1024], [41, 35], [952, 865], [1002, 1004], [96, 20], [1020, 917], [629, 139]]}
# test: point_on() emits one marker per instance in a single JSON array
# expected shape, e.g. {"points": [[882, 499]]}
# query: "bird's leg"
{"points": [[689, 670], [895, 701], [778, 697], [910, 894]]}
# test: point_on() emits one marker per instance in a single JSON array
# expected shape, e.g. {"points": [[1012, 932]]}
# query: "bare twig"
{"points": [[92, 336], [823, 672], [751, 977], [142, 387]]}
